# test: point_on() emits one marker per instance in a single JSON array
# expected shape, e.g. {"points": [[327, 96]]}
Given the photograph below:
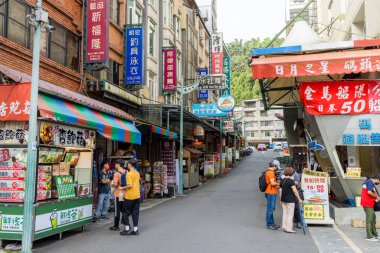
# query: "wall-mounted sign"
{"points": [[15, 102], [228, 126], [68, 136], [134, 56], [226, 103], [341, 97], [354, 172], [217, 53], [207, 110], [170, 69], [361, 131], [227, 72], [97, 34], [203, 95], [212, 82], [13, 132], [312, 144]]}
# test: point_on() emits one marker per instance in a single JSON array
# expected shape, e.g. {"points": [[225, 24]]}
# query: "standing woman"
{"points": [[288, 196], [118, 192]]}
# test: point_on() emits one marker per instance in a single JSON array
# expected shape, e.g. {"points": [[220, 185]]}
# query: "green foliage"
{"points": [[242, 84]]}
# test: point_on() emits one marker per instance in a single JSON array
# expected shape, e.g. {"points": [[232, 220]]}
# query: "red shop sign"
{"points": [[97, 32], [341, 97], [15, 102], [170, 70]]}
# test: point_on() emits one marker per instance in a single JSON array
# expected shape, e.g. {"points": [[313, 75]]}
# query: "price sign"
{"points": [[65, 187], [354, 172], [314, 212]]}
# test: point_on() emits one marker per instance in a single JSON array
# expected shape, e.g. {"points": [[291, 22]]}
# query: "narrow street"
{"points": [[224, 215]]}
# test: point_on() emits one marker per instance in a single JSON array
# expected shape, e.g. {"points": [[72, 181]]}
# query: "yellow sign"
{"points": [[314, 212], [355, 172]]}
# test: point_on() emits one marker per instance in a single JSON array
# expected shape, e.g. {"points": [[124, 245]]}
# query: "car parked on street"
{"points": [[271, 146], [277, 147], [261, 147]]}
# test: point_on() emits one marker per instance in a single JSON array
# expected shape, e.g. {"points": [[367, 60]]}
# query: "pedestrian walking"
{"points": [[368, 198], [104, 195], [289, 196], [132, 200], [271, 195], [118, 193]]}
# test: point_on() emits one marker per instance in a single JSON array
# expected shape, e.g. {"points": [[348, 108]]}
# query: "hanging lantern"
{"points": [[198, 132]]}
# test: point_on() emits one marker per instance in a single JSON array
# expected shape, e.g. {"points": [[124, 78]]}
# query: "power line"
{"points": [[337, 29]]}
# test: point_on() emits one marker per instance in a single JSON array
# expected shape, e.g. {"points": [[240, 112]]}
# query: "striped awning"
{"points": [[107, 125], [164, 132]]}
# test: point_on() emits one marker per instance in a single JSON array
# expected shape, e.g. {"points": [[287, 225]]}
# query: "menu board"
{"points": [[65, 187], [209, 165], [44, 182], [13, 157], [12, 184], [72, 158], [316, 203], [50, 155], [168, 159], [14, 132]]}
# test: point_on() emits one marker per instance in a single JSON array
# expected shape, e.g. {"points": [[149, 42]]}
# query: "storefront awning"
{"points": [[107, 125], [346, 62], [164, 132]]}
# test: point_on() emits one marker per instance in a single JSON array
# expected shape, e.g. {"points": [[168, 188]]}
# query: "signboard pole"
{"points": [[30, 184], [221, 145], [180, 186]]}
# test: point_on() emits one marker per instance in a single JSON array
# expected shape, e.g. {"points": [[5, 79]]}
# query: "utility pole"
{"points": [[180, 186], [37, 20]]}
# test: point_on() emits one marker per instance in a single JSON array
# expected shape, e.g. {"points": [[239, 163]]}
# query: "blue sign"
{"points": [[365, 124], [134, 56], [348, 139], [207, 110], [363, 138], [312, 144], [226, 103], [375, 138], [203, 95]]}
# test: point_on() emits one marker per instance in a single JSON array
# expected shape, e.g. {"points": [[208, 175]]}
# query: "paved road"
{"points": [[224, 215]]}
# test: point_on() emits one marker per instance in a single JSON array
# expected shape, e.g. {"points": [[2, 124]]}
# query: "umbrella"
{"points": [[303, 223]]}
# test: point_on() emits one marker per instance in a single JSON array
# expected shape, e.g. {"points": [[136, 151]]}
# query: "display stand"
{"points": [[160, 179], [64, 181]]}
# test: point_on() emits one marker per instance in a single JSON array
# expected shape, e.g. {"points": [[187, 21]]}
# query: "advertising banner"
{"points": [[202, 94], [170, 69], [207, 110], [134, 52], [341, 97], [65, 187], [13, 132], [228, 126], [15, 102], [316, 193], [227, 72], [217, 53], [97, 32]]}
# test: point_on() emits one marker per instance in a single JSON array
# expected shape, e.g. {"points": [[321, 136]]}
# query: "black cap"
{"points": [[377, 176]]}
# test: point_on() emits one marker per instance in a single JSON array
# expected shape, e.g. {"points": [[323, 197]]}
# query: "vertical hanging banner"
{"points": [[217, 53], [134, 56], [227, 72], [97, 34], [170, 70], [202, 94]]}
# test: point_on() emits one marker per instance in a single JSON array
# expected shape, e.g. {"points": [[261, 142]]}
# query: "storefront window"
{"points": [[113, 72], [115, 11], [18, 27], [58, 45], [2, 18], [152, 34]]}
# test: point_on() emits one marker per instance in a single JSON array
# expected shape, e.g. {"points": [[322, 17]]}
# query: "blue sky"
{"points": [[245, 19]]}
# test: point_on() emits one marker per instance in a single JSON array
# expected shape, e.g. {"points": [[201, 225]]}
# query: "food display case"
{"points": [[63, 199]]}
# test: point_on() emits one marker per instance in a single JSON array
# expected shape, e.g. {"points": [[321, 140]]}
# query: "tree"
{"points": [[242, 84]]}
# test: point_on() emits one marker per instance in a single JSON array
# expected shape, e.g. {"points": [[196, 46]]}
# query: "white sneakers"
{"points": [[374, 239]]}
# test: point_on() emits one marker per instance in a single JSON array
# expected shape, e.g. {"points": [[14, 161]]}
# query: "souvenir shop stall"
{"points": [[64, 169]]}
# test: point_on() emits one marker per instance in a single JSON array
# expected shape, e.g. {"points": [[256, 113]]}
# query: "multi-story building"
{"points": [[293, 7], [349, 19], [260, 125], [208, 11]]}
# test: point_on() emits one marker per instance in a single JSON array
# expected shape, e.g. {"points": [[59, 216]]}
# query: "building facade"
{"points": [[260, 125], [293, 7]]}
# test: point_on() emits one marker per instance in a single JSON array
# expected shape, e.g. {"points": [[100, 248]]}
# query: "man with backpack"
{"points": [[119, 181], [269, 187], [369, 197]]}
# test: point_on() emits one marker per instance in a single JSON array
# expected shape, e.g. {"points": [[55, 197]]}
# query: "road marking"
{"points": [[348, 240]]}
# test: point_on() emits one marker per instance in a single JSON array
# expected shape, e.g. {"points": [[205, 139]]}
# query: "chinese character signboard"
{"points": [[15, 102], [341, 97], [207, 110], [202, 94], [170, 69], [227, 72], [67, 136], [354, 172], [315, 187], [361, 131], [13, 132], [134, 52], [362, 61], [217, 53], [212, 82], [97, 33]]}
